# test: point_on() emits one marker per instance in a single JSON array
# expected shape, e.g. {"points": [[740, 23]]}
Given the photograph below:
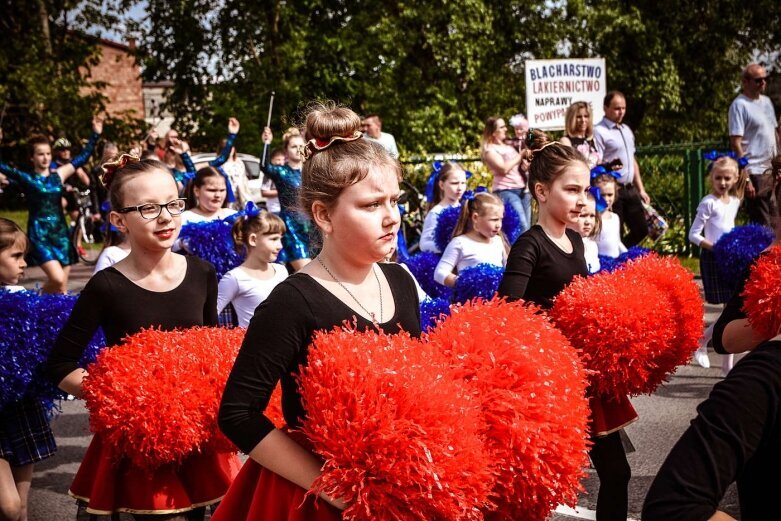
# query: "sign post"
{"points": [[554, 85]]}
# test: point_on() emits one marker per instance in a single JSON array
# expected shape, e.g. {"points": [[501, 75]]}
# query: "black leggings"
{"points": [[609, 459], [629, 208]]}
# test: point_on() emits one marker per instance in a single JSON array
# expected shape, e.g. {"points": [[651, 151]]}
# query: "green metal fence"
{"points": [[673, 174]]}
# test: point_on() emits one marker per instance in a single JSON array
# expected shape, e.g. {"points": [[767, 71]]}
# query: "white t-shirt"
{"points": [[245, 292], [272, 203], [427, 241], [463, 252], [591, 251], [714, 217], [755, 120], [110, 256], [237, 173], [190, 216], [387, 141], [609, 238]]}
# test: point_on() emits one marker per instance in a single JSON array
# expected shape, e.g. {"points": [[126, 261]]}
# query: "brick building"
{"points": [[122, 75]]}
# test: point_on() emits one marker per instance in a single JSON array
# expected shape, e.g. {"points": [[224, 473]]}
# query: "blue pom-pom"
{"points": [[432, 310], [422, 266], [511, 224], [610, 264], [446, 224], [480, 281], [29, 328], [212, 241], [736, 250]]}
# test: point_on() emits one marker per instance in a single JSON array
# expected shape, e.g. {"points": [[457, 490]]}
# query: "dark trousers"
{"points": [[629, 209], [609, 460], [760, 208]]}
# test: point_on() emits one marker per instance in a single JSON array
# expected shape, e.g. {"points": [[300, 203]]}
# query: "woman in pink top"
{"points": [[507, 166]]}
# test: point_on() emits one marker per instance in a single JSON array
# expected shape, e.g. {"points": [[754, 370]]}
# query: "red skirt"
{"points": [[258, 494], [109, 482], [610, 413]]}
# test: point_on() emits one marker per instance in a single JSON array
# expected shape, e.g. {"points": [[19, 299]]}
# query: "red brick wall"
{"points": [[118, 69]]}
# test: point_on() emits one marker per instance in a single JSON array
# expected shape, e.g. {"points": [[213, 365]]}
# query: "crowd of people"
{"points": [[336, 179]]}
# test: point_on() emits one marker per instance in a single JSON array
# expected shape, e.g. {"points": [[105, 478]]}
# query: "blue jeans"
{"points": [[520, 200]]}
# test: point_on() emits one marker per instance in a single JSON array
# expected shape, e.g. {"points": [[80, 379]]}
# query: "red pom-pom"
{"points": [[762, 294], [156, 396], [400, 437], [531, 387], [634, 325]]}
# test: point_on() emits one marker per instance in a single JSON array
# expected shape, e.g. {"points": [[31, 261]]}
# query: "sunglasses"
{"points": [[760, 80]]}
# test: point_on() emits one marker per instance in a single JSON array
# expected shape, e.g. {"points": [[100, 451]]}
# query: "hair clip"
{"points": [[251, 211], [318, 145], [600, 203], [481, 190], [601, 170], [110, 167], [715, 155], [468, 195], [530, 137], [436, 168]]}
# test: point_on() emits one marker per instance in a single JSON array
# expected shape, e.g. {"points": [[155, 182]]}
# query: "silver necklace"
{"points": [[379, 288]]}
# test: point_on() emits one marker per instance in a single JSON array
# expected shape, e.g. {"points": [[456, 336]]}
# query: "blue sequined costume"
{"points": [[189, 173], [46, 226], [295, 242]]}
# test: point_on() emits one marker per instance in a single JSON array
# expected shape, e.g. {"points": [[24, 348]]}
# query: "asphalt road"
{"points": [[663, 418]]}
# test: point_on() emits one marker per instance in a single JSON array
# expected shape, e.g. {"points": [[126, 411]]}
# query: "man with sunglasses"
{"points": [[752, 133]]}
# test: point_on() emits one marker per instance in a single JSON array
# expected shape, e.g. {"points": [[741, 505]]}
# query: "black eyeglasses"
{"points": [[760, 80], [151, 211]]}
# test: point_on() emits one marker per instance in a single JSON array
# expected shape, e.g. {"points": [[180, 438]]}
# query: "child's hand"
{"points": [[97, 125], [267, 136], [233, 126]]}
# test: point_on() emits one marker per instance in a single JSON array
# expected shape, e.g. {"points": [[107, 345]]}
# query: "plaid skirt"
{"points": [[25, 435], [717, 290]]}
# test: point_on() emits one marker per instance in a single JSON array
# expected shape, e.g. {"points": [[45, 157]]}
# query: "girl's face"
{"points": [[453, 187], [265, 247], [42, 157], [12, 262], [158, 234], [581, 120], [565, 198], [363, 223], [489, 224], [211, 195], [608, 191], [295, 149], [588, 218], [722, 180], [500, 133]]}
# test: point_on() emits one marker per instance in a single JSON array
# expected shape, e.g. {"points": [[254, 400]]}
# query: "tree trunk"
{"points": [[43, 16]]}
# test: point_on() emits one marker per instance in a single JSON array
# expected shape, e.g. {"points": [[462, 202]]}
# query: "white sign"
{"points": [[554, 85]]}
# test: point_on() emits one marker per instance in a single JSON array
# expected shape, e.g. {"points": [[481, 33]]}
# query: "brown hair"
{"points": [[488, 131], [741, 175], [548, 159], [10, 233], [612, 94], [266, 223], [447, 169], [200, 179], [117, 172], [477, 205], [597, 216], [289, 134], [343, 163], [572, 114], [36, 140]]}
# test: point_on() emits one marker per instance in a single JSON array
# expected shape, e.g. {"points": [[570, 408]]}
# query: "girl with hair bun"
{"points": [[541, 263], [150, 288], [258, 234], [350, 189], [287, 179]]}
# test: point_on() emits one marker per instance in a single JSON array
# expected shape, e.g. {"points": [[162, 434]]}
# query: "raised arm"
{"points": [[233, 130], [65, 171]]}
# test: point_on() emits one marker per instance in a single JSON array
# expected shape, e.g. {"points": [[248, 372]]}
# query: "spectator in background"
{"points": [[616, 141], [269, 189], [752, 134], [579, 132], [372, 130]]}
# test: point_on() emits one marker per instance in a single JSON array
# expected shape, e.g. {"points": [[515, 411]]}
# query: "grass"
{"points": [[17, 216]]}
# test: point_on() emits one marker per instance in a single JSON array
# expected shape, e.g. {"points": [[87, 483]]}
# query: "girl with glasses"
{"points": [[151, 287]]}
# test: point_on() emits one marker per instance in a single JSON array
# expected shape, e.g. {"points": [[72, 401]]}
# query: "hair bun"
{"points": [[327, 121], [110, 168], [536, 139]]}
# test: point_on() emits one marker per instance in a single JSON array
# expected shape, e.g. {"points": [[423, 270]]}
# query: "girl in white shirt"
{"points": [[477, 238], [715, 217], [259, 233], [589, 225], [609, 237], [115, 248], [449, 186]]}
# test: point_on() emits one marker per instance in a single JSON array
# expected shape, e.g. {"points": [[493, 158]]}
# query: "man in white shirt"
{"points": [[615, 140], [372, 130], [752, 134]]}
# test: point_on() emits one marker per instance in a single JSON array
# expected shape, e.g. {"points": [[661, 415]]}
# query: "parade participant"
{"points": [[116, 245], [50, 246], [609, 237], [151, 287], [449, 185], [259, 234], [206, 197], [716, 216], [541, 263], [579, 132], [504, 162], [287, 179], [589, 225], [350, 189], [269, 190], [25, 435], [477, 238]]}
